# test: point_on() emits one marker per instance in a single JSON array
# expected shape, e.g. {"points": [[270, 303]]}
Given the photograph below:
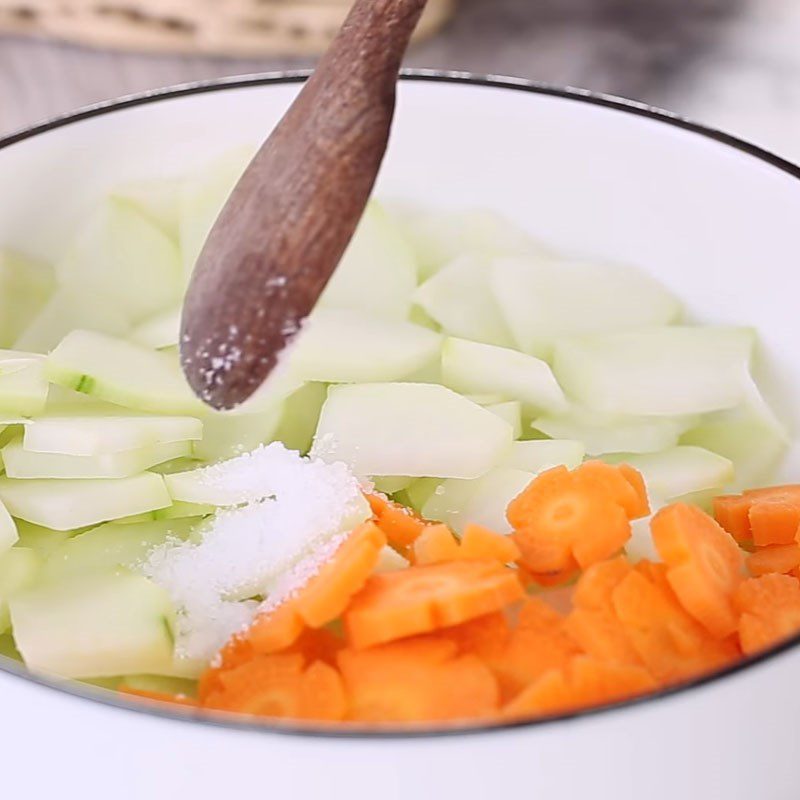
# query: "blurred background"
{"points": [[733, 64]]}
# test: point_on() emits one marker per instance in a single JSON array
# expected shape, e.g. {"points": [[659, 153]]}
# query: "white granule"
{"points": [[294, 514]]}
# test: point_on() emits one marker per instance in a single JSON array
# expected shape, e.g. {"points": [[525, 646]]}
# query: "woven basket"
{"points": [[219, 27]]}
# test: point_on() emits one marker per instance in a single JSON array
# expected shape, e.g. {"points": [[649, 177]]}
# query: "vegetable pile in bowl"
{"points": [[487, 481]]}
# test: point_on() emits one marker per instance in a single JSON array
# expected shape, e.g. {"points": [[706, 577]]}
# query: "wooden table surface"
{"points": [[732, 63]]}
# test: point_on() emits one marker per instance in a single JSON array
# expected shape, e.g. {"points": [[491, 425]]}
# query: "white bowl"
{"points": [[713, 218]]}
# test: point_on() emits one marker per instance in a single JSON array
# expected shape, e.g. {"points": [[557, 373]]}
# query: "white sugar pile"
{"points": [[292, 512]]}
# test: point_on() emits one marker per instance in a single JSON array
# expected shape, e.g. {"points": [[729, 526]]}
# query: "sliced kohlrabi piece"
{"points": [[226, 435], [160, 331], [68, 309], [25, 287], [9, 535], [511, 412], [751, 436], [121, 372], [391, 484], [23, 386], [106, 433], [475, 368], [300, 417], [440, 237], [543, 299], [340, 346], [483, 501], [19, 567], [161, 684], [614, 433], [94, 626], [181, 510], [412, 429], [202, 198], [420, 491], [378, 273], [680, 471], [640, 546], [158, 200], [459, 299], [64, 505], [43, 541], [122, 257], [666, 371], [20, 463], [486, 399], [112, 545], [540, 454], [390, 561]]}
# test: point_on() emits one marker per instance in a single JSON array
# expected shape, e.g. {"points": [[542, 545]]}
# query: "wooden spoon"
{"points": [[291, 216]]}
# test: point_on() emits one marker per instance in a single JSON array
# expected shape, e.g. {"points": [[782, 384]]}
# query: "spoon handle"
{"points": [[293, 213]]}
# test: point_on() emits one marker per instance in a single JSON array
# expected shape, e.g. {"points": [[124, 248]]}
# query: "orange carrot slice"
{"points": [[705, 565], [732, 512], [770, 611], [560, 517], [417, 600], [325, 596], [418, 680], [435, 545], [622, 484], [583, 683], [781, 559], [596, 585], [401, 526], [322, 694], [775, 520], [600, 635], [480, 543]]}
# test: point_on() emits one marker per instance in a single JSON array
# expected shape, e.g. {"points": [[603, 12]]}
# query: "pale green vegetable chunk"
{"points": [[19, 567], [70, 308], [378, 272], [42, 541], [511, 412], [544, 299], [20, 463], [411, 429], [615, 433], [440, 237], [181, 510], [161, 684], [420, 491], [226, 435], [64, 505], [391, 484], [160, 331], [121, 372], [475, 368], [106, 433], [158, 200], [680, 471], [482, 502], [126, 260], [23, 387], [338, 346], [540, 454], [300, 417], [458, 298], [751, 436], [112, 545], [25, 286], [8, 530], [656, 371], [94, 626]]}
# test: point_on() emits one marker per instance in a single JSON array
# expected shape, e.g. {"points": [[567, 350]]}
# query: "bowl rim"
{"points": [[340, 731]]}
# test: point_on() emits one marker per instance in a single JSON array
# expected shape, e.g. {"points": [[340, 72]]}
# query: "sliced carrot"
{"points": [[732, 512], [418, 680], [560, 517], [549, 580], [322, 694], [158, 697], [480, 543], [417, 600], [770, 611], [435, 545], [325, 596], [318, 645], [484, 636], [622, 484], [781, 559], [583, 683], [601, 635], [705, 565], [672, 645], [597, 583], [401, 526], [775, 520]]}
